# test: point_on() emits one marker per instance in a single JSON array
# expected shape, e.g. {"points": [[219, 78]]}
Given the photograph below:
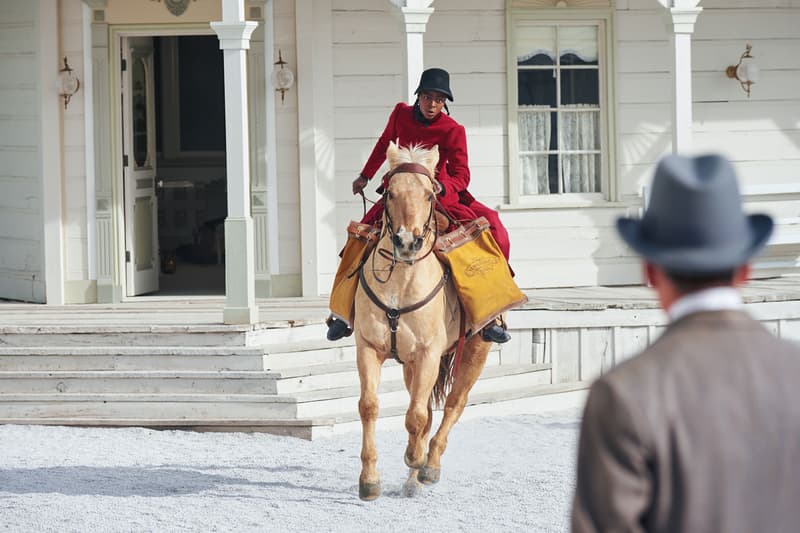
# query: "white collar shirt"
{"points": [[713, 299]]}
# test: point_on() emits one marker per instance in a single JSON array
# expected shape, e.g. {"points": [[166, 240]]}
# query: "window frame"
{"points": [[603, 19]]}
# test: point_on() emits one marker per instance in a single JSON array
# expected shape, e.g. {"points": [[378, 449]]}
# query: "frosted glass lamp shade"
{"points": [[282, 78], [67, 83]]}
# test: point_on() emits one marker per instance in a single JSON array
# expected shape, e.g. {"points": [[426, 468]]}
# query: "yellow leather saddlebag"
{"points": [[360, 238], [480, 272]]}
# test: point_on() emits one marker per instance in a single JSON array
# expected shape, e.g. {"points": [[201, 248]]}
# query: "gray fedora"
{"points": [[694, 224]]}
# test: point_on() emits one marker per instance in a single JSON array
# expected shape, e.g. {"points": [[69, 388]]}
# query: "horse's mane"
{"points": [[415, 153]]}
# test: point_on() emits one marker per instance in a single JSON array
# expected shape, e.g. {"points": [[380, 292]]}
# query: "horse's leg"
{"points": [[412, 486], [468, 372], [369, 372], [423, 377]]}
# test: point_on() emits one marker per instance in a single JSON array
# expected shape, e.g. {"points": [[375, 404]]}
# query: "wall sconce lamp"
{"points": [[282, 78], [745, 71], [68, 83]]}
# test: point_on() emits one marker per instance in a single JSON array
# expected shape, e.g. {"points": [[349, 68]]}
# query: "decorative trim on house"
{"points": [[176, 7], [559, 3]]}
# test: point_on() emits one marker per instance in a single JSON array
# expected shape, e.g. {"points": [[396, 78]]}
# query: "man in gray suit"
{"points": [[700, 432]]}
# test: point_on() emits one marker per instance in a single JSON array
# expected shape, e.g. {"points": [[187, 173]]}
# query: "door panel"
{"points": [[141, 209]]}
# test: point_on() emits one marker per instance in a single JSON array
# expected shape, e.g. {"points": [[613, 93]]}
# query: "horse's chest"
{"points": [[413, 332]]}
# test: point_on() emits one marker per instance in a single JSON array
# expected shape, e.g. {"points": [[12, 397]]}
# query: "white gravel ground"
{"points": [[512, 473]]}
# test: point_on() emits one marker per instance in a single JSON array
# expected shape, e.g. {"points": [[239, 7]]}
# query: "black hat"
{"points": [[694, 224], [435, 79]]}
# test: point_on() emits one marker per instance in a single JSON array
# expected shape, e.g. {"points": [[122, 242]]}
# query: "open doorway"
{"points": [[191, 180]]}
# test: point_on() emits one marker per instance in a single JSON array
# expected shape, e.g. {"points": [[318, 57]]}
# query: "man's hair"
{"points": [[687, 283]]}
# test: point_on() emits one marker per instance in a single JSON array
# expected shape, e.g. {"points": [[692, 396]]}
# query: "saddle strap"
{"points": [[462, 337], [393, 313]]}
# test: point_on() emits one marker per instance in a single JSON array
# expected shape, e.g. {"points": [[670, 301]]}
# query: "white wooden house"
{"points": [[567, 105]]}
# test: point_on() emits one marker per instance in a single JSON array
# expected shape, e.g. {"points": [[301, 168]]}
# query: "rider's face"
{"points": [[431, 103]]}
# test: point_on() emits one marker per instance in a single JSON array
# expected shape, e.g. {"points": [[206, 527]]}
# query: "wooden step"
{"points": [[149, 406], [138, 382], [130, 358], [523, 400], [301, 428], [315, 404], [333, 402], [340, 374], [88, 332]]}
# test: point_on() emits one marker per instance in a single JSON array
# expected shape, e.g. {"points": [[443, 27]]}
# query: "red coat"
{"points": [[452, 171]]}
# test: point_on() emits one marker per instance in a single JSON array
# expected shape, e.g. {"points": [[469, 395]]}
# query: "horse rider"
{"points": [[424, 123]]}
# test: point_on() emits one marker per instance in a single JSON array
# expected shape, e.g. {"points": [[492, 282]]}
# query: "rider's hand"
{"points": [[359, 183]]}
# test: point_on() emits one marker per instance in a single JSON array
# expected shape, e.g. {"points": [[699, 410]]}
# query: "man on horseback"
{"points": [[424, 123]]}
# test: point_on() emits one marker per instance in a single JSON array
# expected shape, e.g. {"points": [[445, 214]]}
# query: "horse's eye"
{"points": [[389, 195], [430, 197]]}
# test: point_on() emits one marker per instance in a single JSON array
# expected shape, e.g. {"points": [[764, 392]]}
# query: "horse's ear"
{"points": [[391, 154], [433, 157]]}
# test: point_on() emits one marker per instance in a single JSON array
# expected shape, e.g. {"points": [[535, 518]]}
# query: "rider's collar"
{"points": [[419, 116]]}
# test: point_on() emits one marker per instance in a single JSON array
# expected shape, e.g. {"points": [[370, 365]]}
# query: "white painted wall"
{"points": [[550, 246], [287, 146], [71, 44], [760, 134], [21, 183], [368, 62]]}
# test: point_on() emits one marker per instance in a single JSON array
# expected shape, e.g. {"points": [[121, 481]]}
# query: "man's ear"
{"points": [[649, 271], [742, 274]]}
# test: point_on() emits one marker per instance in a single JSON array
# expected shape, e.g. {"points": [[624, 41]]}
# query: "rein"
{"points": [[413, 168], [393, 313]]}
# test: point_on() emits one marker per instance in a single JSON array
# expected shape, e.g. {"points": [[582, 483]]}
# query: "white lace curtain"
{"points": [[534, 136], [579, 131]]}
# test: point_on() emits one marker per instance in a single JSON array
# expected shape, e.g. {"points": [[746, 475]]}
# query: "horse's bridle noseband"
{"points": [[413, 168]]}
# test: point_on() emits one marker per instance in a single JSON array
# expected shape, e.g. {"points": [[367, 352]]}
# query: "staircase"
{"points": [[284, 380]]}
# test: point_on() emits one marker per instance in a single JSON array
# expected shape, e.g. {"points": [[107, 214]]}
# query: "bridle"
{"points": [[414, 168], [393, 313]]}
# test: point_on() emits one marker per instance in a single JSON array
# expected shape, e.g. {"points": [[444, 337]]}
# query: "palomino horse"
{"points": [[411, 294]]}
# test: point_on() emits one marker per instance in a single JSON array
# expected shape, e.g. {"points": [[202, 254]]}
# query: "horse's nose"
{"points": [[417, 244], [397, 241]]}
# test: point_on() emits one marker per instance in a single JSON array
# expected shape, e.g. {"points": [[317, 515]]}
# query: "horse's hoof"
{"points": [[429, 475], [411, 488], [369, 491]]}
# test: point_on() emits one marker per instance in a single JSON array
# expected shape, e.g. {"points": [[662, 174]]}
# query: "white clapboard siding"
{"points": [[287, 133], [765, 4], [367, 27], [750, 172], [21, 218], [571, 246], [377, 59]]}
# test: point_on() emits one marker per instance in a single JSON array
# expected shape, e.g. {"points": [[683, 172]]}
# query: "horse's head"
{"points": [[409, 198]]}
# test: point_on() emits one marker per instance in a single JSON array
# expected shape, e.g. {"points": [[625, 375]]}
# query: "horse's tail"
{"points": [[444, 382]]}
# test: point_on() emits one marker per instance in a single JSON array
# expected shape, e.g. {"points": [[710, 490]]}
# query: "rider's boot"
{"points": [[495, 333], [337, 328]]}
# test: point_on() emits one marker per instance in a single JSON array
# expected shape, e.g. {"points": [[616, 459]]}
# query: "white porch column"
{"points": [[51, 146], [415, 14], [234, 38], [682, 16], [316, 153]]}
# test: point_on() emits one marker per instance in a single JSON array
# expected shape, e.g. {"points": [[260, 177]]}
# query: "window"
{"points": [[557, 135]]}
